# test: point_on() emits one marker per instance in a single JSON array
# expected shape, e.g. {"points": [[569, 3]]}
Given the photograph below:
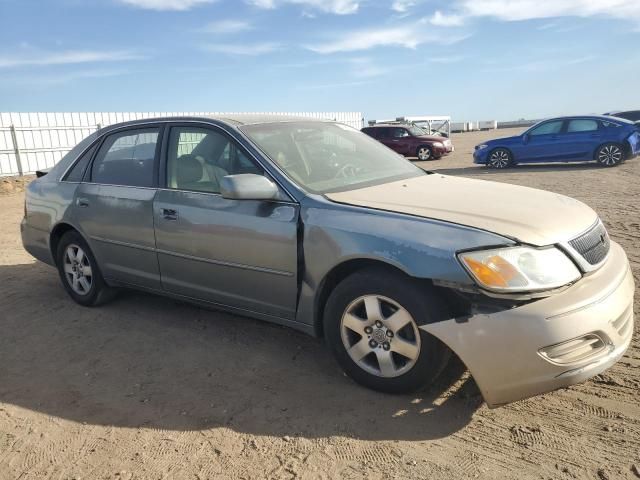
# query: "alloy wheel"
{"points": [[380, 336], [610, 155], [424, 153], [77, 269], [499, 159]]}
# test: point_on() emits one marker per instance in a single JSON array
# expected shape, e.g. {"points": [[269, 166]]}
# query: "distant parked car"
{"points": [[410, 141], [607, 140], [633, 115]]}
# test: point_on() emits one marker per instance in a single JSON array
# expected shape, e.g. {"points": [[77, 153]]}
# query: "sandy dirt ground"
{"points": [[149, 388]]}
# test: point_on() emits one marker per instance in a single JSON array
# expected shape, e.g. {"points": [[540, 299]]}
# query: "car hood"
{"points": [[504, 140], [532, 216], [432, 138]]}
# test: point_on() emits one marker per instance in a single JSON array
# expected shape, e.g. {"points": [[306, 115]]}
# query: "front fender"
{"points": [[422, 248]]}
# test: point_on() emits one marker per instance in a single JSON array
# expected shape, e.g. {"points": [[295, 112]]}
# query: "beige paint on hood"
{"points": [[532, 216]]}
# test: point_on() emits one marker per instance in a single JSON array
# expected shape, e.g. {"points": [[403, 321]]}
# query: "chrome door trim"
{"points": [[227, 264], [197, 259], [123, 244]]}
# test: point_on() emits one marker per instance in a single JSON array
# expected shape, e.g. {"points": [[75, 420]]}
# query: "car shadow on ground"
{"points": [[483, 170], [148, 361]]}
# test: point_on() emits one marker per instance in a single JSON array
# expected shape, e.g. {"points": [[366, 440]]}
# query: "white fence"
{"points": [[32, 141]]}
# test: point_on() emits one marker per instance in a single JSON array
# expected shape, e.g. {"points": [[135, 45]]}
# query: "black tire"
{"points": [[424, 153], [99, 292], [418, 299], [500, 158], [610, 154]]}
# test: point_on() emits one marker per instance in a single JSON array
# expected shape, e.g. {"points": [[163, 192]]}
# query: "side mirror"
{"points": [[248, 186], [525, 138]]}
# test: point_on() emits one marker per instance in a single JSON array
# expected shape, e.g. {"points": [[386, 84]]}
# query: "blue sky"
{"points": [[471, 59]]}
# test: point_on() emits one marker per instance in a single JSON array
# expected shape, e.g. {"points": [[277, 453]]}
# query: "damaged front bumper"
{"points": [[549, 343]]}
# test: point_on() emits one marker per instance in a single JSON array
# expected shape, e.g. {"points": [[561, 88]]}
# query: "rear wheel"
{"points": [[372, 325], [610, 154], [500, 158], [424, 153], [79, 271]]}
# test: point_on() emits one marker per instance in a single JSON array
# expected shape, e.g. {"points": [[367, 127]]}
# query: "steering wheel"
{"points": [[347, 170]]}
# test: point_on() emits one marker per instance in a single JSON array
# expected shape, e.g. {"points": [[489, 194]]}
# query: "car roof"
{"points": [[606, 118], [387, 125], [592, 117], [230, 119]]}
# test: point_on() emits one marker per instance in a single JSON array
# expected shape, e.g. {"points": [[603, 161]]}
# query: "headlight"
{"points": [[480, 147], [515, 269], [438, 144]]}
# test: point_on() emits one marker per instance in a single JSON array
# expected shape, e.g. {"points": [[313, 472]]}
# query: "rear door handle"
{"points": [[169, 214], [82, 202]]}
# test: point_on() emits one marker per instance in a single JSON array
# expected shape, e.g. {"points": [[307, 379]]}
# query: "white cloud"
{"points": [[324, 86], [338, 7], [365, 67], [243, 48], [541, 65], [401, 6], [515, 10], [406, 36], [511, 10], [440, 19], [227, 26], [66, 58], [447, 59], [180, 5]]}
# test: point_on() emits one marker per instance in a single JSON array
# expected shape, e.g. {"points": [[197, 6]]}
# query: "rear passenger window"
{"points": [[77, 172], [383, 132], [127, 158], [582, 126]]}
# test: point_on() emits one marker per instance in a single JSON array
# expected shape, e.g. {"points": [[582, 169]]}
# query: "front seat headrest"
{"points": [[190, 170]]}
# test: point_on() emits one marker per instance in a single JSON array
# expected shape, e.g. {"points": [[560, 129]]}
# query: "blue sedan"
{"points": [[606, 140]]}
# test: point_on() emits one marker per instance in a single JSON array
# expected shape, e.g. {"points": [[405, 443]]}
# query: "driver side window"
{"points": [[198, 159], [549, 128], [400, 133]]}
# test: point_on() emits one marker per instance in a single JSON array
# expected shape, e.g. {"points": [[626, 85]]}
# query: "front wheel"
{"points": [[500, 158], [610, 155], [372, 325], [424, 153]]}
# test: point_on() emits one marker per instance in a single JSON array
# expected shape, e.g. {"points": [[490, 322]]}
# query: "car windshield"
{"points": [[417, 131], [324, 157]]}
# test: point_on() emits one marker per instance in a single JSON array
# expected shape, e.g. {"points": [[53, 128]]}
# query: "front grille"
{"points": [[592, 245]]}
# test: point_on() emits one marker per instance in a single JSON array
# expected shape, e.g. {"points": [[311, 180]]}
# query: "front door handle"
{"points": [[82, 202], [169, 214]]}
